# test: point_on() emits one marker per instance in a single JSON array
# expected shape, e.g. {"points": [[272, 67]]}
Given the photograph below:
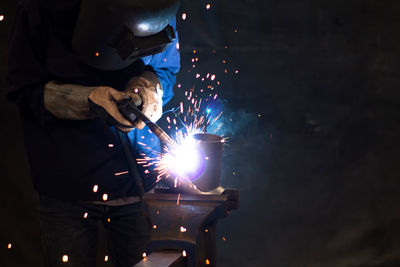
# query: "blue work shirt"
{"points": [[68, 158]]}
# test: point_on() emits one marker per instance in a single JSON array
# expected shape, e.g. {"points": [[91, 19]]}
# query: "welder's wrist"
{"points": [[68, 101]]}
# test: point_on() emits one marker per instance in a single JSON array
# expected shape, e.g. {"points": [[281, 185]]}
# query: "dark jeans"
{"points": [[66, 231]]}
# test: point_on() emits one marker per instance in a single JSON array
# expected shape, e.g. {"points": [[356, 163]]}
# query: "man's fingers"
{"points": [[112, 109], [117, 95]]}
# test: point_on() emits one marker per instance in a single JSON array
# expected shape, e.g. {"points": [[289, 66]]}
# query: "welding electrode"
{"points": [[131, 112]]}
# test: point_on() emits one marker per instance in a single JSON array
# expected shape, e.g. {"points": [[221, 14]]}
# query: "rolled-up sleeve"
{"points": [[26, 73], [166, 65]]}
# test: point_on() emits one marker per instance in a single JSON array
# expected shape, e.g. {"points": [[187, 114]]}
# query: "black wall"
{"points": [[314, 135]]}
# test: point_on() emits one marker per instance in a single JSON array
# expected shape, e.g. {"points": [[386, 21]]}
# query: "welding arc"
{"points": [[163, 136]]}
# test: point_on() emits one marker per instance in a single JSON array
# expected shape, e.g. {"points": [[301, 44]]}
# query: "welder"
{"points": [[70, 62]]}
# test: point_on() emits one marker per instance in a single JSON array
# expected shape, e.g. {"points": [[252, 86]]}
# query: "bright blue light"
{"points": [[208, 110]]}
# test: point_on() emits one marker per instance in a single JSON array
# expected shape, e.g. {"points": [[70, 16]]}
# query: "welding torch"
{"points": [[129, 110]]}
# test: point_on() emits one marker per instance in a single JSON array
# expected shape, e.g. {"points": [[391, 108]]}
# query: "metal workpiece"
{"points": [[210, 146], [186, 223]]}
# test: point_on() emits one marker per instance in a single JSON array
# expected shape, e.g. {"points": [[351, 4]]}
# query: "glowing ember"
{"points": [[95, 188], [120, 173], [183, 16], [97, 54], [105, 197], [144, 255], [207, 262], [85, 215], [106, 258], [108, 220], [184, 253], [183, 229], [65, 258], [206, 230], [9, 246], [223, 238]]}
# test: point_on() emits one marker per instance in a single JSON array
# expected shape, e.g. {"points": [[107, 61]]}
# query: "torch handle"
{"points": [[131, 112]]}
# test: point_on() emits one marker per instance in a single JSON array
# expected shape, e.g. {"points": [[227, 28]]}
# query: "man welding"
{"points": [[70, 62]]}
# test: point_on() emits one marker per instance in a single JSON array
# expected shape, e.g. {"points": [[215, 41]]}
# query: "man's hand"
{"points": [[146, 90], [77, 102], [107, 98]]}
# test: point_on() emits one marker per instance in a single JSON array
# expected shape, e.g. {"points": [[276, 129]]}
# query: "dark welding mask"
{"points": [[112, 34]]}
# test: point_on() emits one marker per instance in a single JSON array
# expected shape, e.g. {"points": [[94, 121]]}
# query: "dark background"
{"points": [[314, 137]]}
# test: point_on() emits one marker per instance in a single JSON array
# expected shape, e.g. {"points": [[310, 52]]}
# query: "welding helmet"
{"points": [[112, 34]]}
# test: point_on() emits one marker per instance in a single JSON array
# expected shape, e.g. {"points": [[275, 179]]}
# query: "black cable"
{"points": [[132, 165]]}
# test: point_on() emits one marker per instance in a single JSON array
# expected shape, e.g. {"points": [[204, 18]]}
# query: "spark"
{"points": [[207, 262], [65, 258], [208, 6], [85, 215], [120, 173], [9, 246], [110, 145], [106, 258], [234, 173], [182, 229], [154, 226], [108, 220], [97, 54], [177, 46], [223, 238], [213, 77], [206, 230], [144, 255], [95, 188], [1, 17], [183, 16], [105, 197], [157, 212], [184, 253]]}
